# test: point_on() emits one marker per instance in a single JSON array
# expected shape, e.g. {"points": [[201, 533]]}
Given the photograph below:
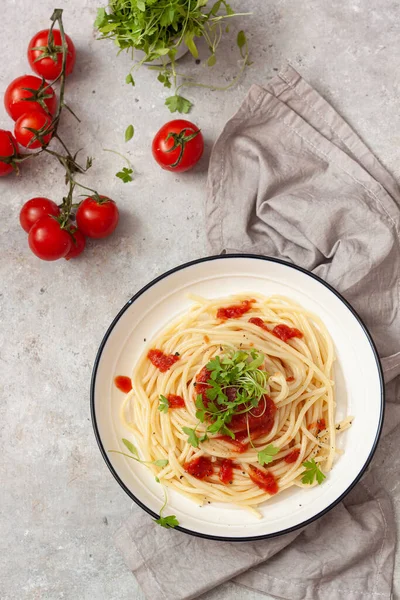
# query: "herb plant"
{"points": [[159, 27], [240, 370]]}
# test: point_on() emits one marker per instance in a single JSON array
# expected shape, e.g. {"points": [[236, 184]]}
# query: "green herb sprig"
{"points": [[312, 471], [170, 521], [134, 455], [238, 369], [158, 28]]}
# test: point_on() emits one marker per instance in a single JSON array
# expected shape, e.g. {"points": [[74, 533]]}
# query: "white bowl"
{"points": [[359, 391]]}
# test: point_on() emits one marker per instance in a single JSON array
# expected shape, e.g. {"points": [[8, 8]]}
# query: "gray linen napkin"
{"points": [[289, 178]]}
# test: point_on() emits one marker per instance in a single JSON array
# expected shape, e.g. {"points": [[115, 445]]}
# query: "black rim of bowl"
{"points": [[230, 257]]}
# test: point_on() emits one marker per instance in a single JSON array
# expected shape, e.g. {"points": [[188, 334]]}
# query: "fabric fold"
{"points": [[289, 178]]}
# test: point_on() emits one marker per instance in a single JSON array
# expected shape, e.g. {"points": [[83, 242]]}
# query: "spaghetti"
{"points": [[237, 394]]}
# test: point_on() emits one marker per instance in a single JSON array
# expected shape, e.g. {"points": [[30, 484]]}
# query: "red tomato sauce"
{"points": [[201, 386], [238, 444], [226, 471], [265, 480], [235, 311], [123, 383], [320, 425], [285, 333], [259, 322], [260, 422], [293, 456], [175, 401], [260, 418], [162, 361], [199, 467], [289, 379]]}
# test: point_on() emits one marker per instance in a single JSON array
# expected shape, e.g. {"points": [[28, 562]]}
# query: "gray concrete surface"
{"points": [[59, 504]]}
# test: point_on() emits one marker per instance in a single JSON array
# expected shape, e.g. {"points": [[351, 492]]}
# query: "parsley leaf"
{"points": [[132, 449], [179, 104], [266, 455], [129, 79], [125, 174], [164, 78], [312, 471], [169, 522], [201, 409], [193, 440], [129, 133], [162, 462], [164, 404], [101, 18]]}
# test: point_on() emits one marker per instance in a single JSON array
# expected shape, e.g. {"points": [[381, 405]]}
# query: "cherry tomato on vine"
{"points": [[78, 243], [35, 209], [46, 59], [8, 147], [48, 240], [19, 97], [97, 218], [178, 145], [33, 120]]}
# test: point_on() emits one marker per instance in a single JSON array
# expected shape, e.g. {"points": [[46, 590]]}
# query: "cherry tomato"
{"points": [[35, 209], [178, 145], [33, 120], [97, 219], [19, 100], [48, 240], [78, 243], [48, 63], [8, 147]]}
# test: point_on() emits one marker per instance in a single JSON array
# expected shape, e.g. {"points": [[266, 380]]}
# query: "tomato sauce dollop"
{"points": [[293, 456], [226, 471], [264, 479], [235, 311], [260, 418], [123, 383], [162, 361], [199, 467], [285, 333], [175, 401]]}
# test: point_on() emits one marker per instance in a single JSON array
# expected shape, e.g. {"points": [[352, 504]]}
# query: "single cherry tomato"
{"points": [[35, 209], [19, 98], [8, 148], [78, 243], [97, 217], [48, 63], [38, 121], [48, 240], [178, 145]]}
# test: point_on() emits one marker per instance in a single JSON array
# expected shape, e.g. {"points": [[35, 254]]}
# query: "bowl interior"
{"points": [[359, 390]]}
